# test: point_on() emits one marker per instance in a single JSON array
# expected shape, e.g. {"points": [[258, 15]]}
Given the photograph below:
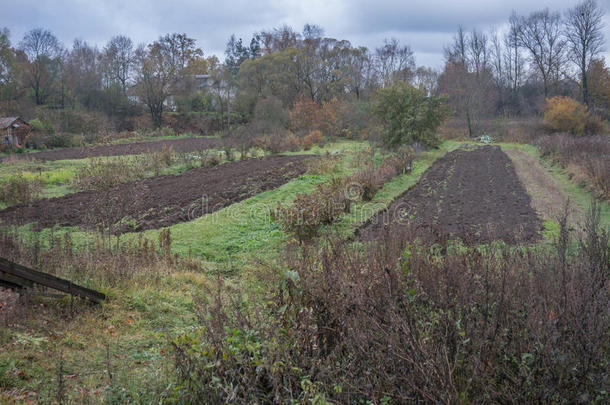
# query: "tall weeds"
{"points": [[589, 155], [438, 324]]}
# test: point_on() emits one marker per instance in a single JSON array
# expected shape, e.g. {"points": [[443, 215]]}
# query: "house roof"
{"points": [[5, 122]]}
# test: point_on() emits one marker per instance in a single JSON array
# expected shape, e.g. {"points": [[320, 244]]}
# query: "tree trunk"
{"points": [[585, 90], [469, 121], [156, 113]]}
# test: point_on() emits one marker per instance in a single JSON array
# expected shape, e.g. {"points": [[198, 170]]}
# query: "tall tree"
{"points": [[467, 78], [118, 59], [477, 51], [43, 51], [513, 59], [160, 67], [583, 29], [155, 74], [83, 73], [360, 70], [396, 62], [541, 34]]}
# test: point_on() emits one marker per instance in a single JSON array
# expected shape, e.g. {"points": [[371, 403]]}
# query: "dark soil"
{"points": [[472, 195], [178, 145], [162, 201]]}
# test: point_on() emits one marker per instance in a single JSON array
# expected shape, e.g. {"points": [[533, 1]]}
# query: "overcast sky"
{"points": [[425, 25]]}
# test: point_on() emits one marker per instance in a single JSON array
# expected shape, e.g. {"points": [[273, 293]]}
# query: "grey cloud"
{"points": [[426, 25]]}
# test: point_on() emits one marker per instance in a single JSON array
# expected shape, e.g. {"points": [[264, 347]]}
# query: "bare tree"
{"points": [[541, 34], [118, 60], [83, 73], [456, 52], [396, 62], [43, 51], [360, 70], [467, 78], [583, 29], [155, 75], [477, 51], [159, 68], [498, 66], [427, 78], [513, 59]]}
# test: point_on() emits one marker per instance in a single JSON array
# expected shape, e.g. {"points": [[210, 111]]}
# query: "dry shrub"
{"points": [[278, 142], [423, 325], [598, 170], [401, 161], [323, 165], [160, 159], [19, 189], [369, 180], [311, 211], [102, 174]]}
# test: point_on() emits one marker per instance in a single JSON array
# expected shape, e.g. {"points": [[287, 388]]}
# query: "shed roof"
{"points": [[5, 122]]}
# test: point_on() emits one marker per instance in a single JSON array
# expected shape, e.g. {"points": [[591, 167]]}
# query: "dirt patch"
{"points": [[474, 195], [546, 193], [165, 200], [178, 145]]}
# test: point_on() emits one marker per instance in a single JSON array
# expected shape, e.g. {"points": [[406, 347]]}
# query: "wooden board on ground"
{"points": [[16, 274]]}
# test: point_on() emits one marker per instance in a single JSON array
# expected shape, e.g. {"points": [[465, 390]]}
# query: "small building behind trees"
{"points": [[13, 131]]}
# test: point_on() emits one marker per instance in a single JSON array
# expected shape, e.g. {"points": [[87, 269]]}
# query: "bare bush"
{"points": [[432, 325]]}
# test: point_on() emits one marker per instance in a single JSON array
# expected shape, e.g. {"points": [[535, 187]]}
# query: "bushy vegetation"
{"points": [[585, 158], [103, 173], [564, 114], [409, 115], [19, 189], [387, 324], [310, 212]]}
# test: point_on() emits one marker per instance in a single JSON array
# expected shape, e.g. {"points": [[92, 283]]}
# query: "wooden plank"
{"points": [[48, 280], [17, 281]]}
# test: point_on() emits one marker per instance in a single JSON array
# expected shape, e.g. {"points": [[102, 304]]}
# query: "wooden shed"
{"points": [[13, 131]]}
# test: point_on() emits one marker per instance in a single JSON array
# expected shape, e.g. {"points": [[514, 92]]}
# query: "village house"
{"points": [[13, 131]]}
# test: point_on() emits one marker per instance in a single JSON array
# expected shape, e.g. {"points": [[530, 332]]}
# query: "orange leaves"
{"points": [[564, 114], [305, 115]]}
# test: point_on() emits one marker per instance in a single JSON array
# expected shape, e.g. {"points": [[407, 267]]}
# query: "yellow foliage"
{"points": [[564, 114]]}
